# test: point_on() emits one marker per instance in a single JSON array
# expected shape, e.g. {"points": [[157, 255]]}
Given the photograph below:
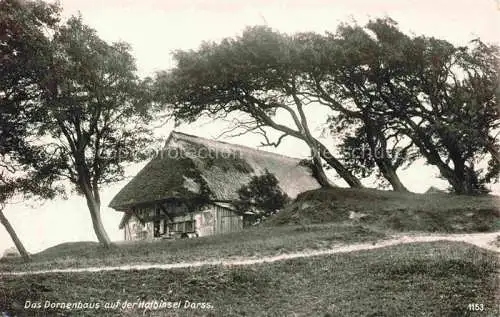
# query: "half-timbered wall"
{"points": [[135, 230], [211, 220]]}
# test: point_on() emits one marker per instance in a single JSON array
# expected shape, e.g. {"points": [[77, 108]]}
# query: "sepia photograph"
{"points": [[233, 158]]}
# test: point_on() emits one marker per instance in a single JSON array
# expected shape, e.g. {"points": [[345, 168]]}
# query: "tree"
{"points": [[256, 77], [77, 103], [335, 66], [30, 185], [24, 49], [400, 96], [441, 98], [262, 195], [367, 153], [93, 113]]}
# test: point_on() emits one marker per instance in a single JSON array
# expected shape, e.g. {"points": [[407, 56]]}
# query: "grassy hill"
{"points": [[388, 210], [417, 279], [260, 241], [424, 279], [315, 220]]}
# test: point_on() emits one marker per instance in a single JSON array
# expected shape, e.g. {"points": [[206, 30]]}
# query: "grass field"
{"points": [[419, 279], [388, 210], [316, 220], [253, 242], [426, 279]]}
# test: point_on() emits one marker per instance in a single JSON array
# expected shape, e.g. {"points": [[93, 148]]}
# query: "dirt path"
{"points": [[482, 240]]}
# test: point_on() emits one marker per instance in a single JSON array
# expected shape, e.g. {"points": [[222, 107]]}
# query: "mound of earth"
{"points": [[439, 212], [68, 248]]}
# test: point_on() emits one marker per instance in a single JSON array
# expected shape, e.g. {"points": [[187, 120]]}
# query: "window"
{"points": [[183, 226], [189, 226]]}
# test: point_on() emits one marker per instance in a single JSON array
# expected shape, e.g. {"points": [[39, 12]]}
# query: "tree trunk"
{"points": [[431, 154], [319, 172], [95, 214], [343, 172], [384, 164], [458, 186], [389, 173], [93, 199], [464, 181], [19, 245]]}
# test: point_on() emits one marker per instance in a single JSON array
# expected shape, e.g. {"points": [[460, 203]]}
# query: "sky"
{"points": [[155, 28]]}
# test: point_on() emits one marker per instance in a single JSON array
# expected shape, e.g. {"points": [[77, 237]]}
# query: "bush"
{"points": [[262, 197]]}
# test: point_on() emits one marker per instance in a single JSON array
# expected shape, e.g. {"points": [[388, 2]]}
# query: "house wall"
{"points": [[227, 221], [211, 220], [205, 222], [135, 230], [217, 220]]}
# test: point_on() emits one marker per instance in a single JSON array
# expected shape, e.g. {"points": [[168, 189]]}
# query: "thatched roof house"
{"points": [[192, 176]]}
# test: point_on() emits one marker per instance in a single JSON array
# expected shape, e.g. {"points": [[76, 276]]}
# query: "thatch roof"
{"points": [[190, 166]]}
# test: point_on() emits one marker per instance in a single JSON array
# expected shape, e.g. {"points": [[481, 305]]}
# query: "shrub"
{"points": [[262, 197]]}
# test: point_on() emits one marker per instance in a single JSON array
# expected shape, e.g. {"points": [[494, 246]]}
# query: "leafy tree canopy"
{"points": [[416, 96], [262, 196], [73, 108]]}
